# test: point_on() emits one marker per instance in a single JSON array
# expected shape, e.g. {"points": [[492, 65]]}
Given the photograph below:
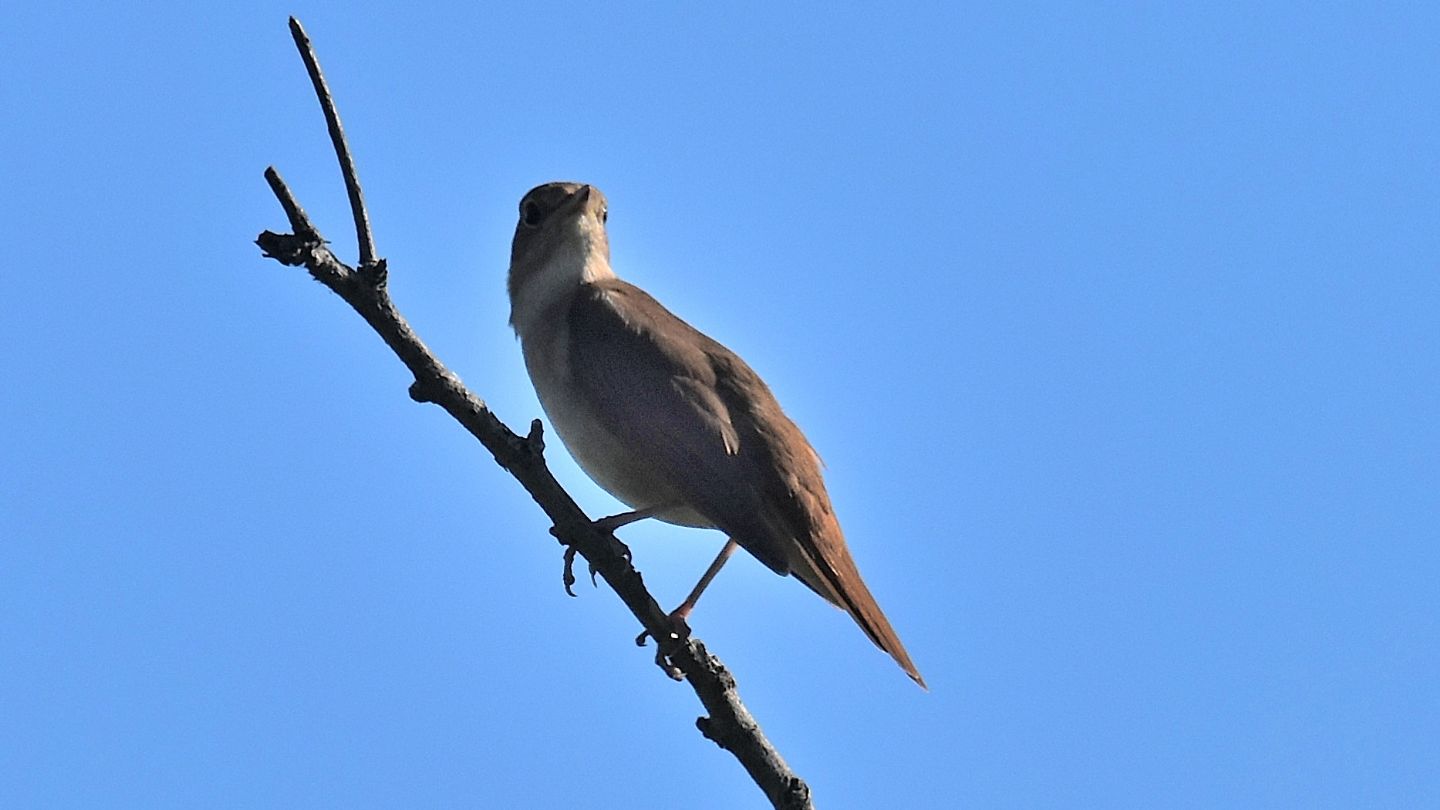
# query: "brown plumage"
{"points": [[660, 415]]}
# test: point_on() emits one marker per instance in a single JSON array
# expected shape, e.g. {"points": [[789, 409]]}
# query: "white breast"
{"points": [[618, 469]]}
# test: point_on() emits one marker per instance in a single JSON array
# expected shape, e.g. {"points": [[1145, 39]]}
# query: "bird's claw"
{"points": [[609, 525], [680, 631], [670, 670], [568, 577]]}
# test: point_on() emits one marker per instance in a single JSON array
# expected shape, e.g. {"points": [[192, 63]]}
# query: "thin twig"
{"points": [[363, 236], [729, 723], [299, 220]]}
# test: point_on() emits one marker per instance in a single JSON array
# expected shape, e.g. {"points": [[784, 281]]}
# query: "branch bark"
{"points": [[728, 723]]}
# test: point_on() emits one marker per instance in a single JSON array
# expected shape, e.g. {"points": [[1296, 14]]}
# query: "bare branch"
{"points": [[729, 723], [363, 237], [299, 220]]}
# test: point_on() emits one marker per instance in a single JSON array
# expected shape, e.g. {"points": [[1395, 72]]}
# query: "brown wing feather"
{"points": [[797, 500], [715, 431]]}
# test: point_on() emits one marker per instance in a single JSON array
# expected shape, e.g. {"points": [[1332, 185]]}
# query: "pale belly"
{"points": [[622, 471]]}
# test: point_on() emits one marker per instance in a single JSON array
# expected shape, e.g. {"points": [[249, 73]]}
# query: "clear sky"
{"points": [[1119, 331]]}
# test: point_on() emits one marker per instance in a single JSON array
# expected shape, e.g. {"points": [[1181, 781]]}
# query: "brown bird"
{"points": [[669, 421]]}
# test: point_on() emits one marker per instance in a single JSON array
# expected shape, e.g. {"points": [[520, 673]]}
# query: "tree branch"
{"points": [[729, 723], [342, 147]]}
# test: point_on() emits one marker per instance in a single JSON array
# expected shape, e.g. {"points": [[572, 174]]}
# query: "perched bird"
{"points": [[669, 421]]}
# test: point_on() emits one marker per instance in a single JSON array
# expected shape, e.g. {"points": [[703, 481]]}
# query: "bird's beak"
{"points": [[580, 199], [575, 203]]}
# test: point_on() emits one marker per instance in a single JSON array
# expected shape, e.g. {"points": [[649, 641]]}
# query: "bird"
{"points": [[666, 419]]}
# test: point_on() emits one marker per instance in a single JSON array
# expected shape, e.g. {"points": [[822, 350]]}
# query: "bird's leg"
{"points": [[683, 612], [680, 614], [608, 524], [613, 522]]}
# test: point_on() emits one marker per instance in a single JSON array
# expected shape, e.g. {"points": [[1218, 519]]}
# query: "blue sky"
{"points": [[1116, 328]]}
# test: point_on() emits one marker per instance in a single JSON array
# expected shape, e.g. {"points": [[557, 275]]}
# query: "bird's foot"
{"points": [[609, 525], [679, 631], [568, 576], [671, 671]]}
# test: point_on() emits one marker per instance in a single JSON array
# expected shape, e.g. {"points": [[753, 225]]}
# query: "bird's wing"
{"points": [[716, 433], [662, 397], [712, 427]]}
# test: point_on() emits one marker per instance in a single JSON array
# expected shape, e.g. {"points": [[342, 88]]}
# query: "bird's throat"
{"points": [[551, 283]]}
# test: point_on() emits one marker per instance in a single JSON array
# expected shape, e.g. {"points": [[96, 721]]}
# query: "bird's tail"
{"points": [[838, 580]]}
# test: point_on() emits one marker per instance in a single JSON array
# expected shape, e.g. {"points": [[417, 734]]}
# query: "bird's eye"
{"points": [[530, 213]]}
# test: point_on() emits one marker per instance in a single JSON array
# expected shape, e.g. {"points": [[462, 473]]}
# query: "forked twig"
{"points": [[729, 723], [363, 236]]}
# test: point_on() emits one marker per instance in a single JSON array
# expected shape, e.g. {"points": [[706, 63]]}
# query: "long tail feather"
{"points": [[838, 581]]}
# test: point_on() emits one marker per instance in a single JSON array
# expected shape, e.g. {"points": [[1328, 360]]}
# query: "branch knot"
{"points": [[286, 248], [376, 273]]}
